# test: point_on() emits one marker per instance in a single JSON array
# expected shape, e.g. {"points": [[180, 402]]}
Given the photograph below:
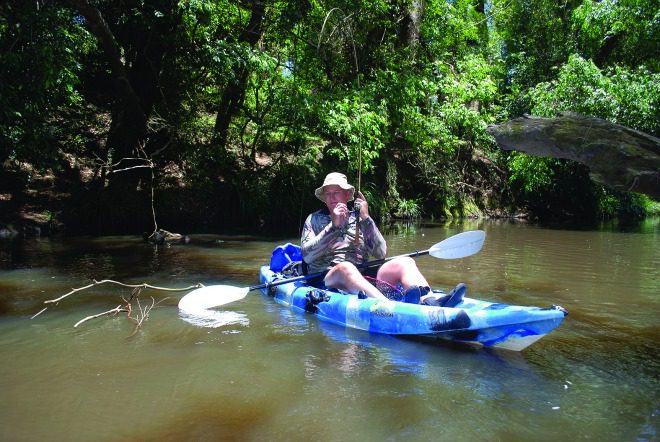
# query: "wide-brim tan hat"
{"points": [[335, 179]]}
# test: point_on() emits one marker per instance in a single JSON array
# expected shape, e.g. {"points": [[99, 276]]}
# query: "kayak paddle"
{"points": [[457, 246]]}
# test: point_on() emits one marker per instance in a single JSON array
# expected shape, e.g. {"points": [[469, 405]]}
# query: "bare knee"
{"points": [[397, 266], [345, 269], [341, 274], [402, 270], [404, 262]]}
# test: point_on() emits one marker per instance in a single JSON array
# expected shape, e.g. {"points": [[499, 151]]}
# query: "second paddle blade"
{"points": [[459, 246]]}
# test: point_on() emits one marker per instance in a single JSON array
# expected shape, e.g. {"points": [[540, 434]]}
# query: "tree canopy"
{"points": [[231, 111]]}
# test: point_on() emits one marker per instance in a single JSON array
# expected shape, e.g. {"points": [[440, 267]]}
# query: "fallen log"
{"points": [[619, 157]]}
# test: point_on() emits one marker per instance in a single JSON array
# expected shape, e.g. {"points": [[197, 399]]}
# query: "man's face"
{"points": [[333, 195]]}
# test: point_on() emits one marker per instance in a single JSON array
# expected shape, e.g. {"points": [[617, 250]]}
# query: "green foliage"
{"points": [[580, 87], [408, 209], [627, 97], [407, 100], [555, 189], [627, 206], [460, 103], [406, 89], [469, 92], [535, 38], [452, 29], [532, 174], [652, 207], [355, 130], [41, 50], [616, 32]]}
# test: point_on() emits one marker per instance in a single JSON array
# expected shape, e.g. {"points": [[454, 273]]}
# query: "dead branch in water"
{"points": [[142, 311], [115, 311], [143, 314], [95, 283]]}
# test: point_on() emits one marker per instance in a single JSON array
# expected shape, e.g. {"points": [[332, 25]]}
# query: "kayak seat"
{"points": [[293, 269]]}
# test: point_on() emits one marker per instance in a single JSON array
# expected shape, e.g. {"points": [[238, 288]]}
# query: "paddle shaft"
{"points": [[458, 246], [365, 265]]}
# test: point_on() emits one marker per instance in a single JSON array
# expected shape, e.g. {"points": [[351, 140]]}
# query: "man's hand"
{"points": [[363, 205], [339, 215]]}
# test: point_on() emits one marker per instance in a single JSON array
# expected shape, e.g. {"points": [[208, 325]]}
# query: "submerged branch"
{"points": [[115, 311], [143, 315], [143, 286], [143, 311]]}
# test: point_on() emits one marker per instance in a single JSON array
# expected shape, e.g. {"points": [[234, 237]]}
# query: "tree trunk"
{"points": [[125, 201], [234, 93], [411, 24]]}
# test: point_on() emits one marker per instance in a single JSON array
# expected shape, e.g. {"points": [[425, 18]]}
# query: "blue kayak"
{"points": [[471, 321]]}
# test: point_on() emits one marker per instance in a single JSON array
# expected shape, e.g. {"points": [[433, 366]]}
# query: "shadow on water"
{"points": [[645, 226], [35, 270]]}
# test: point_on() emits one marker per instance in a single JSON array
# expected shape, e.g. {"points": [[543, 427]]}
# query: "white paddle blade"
{"points": [[211, 296], [459, 246]]}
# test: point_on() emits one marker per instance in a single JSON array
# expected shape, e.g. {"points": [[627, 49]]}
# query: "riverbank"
{"points": [[30, 203], [71, 202]]}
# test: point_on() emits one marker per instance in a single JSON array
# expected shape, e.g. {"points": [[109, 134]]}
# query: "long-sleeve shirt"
{"points": [[324, 246]]}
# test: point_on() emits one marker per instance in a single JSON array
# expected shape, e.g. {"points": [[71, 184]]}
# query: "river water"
{"points": [[271, 374]]}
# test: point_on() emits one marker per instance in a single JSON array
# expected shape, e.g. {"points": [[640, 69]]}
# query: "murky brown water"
{"points": [[275, 375]]}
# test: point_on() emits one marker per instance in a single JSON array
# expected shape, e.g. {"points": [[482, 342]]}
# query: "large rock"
{"points": [[617, 156]]}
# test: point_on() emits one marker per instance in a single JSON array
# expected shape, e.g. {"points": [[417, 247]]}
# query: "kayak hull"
{"points": [[473, 321]]}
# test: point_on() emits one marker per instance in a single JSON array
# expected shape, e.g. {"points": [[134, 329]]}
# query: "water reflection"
{"points": [[414, 355], [214, 318]]}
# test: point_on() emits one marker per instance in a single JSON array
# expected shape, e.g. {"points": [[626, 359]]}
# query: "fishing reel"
{"points": [[356, 210], [356, 213]]}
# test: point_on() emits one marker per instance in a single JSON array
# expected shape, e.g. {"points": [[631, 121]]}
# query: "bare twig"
{"points": [[112, 166], [462, 184], [40, 312], [115, 311], [143, 285], [144, 166], [143, 315], [110, 281], [143, 311], [127, 307]]}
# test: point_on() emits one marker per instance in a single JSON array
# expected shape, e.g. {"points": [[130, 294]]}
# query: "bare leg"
{"points": [[345, 276], [402, 271]]}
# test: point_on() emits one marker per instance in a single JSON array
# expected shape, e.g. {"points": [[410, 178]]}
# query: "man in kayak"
{"points": [[328, 243]]}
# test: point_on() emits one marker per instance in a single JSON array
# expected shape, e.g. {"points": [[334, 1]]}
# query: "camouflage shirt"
{"points": [[324, 246]]}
